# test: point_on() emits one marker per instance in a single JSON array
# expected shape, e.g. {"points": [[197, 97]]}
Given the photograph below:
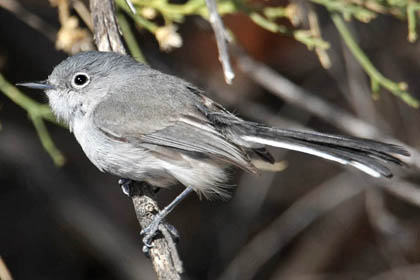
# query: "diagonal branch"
{"points": [[220, 33], [164, 255], [298, 217]]}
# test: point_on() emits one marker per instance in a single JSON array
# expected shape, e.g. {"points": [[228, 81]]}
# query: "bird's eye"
{"points": [[80, 80]]}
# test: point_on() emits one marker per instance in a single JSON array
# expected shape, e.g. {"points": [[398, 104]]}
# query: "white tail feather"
{"points": [[311, 151]]}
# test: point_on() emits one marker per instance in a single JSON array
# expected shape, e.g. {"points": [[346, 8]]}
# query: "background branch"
{"points": [[38, 113], [221, 35], [289, 224], [377, 79], [4, 272]]}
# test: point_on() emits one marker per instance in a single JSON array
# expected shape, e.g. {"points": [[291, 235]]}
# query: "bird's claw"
{"points": [[126, 186], [152, 230]]}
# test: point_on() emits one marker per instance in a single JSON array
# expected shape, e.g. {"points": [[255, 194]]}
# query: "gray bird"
{"points": [[140, 124]]}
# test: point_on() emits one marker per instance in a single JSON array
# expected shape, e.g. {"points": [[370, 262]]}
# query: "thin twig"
{"points": [[131, 6], [83, 12], [130, 39], [389, 230], [293, 221], [411, 19], [405, 190], [403, 272], [29, 18], [141, 21], [220, 33], [46, 140], [163, 254], [398, 89], [4, 272], [38, 113]]}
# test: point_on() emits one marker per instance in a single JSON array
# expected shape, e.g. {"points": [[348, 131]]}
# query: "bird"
{"points": [[140, 124]]}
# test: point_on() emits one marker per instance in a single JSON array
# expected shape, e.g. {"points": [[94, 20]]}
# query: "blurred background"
{"points": [[312, 220]]}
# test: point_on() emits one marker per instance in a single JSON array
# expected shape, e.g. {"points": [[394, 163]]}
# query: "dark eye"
{"points": [[80, 80]]}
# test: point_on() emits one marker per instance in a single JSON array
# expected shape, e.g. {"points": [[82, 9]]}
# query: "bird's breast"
{"points": [[116, 157]]}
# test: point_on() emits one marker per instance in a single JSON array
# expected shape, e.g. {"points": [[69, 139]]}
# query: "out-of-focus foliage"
{"points": [[268, 17]]}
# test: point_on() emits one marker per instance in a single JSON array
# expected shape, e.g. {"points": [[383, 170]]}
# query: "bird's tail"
{"points": [[366, 155]]}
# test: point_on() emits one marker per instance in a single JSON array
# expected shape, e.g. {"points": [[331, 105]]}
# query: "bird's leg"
{"points": [[150, 231], [126, 186]]}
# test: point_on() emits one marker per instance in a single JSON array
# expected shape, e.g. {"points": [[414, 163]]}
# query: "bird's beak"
{"points": [[44, 85]]}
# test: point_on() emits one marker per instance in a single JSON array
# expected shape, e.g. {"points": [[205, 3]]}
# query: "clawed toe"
{"points": [[150, 232], [126, 186]]}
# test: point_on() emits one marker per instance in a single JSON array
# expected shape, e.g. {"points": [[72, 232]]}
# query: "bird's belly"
{"points": [[205, 175], [119, 158]]}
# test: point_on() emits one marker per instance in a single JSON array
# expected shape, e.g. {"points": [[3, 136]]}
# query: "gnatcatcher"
{"points": [[140, 124]]}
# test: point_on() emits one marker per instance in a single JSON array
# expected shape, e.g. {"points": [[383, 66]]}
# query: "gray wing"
{"points": [[165, 114]]}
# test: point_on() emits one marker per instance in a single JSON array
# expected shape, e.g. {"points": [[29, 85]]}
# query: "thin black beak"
{"points": [[44, 85]]}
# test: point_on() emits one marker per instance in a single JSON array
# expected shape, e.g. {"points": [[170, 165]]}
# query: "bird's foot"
{"points": [[152, 230], [126, 186]]}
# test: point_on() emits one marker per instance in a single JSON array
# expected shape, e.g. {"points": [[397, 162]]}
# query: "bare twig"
{"points": [[314, 250], [83, 12], [4, 272], [164, 255], [38, 113], [403, 272], [131, 6], [293, 221], [29, 18], [130, 39], [389, 230], [404, 190], [377, 79], [220, 33]]}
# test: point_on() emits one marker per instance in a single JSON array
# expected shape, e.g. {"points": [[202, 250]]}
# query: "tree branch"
{"points": [[106, 32], [298, 217], [164, 255], [220, 33], [4, 272]]}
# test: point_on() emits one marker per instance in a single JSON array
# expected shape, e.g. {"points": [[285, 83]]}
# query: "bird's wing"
{"points": [[156, 118]]}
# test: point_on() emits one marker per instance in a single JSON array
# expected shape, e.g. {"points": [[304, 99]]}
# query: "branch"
{"points": [[38, 113], [167, 263], [4, 272], [220, 33], [402, 272], [164, 255], [377, 79], [299, 216], [130, 39], [29, 18], [106, 32]]}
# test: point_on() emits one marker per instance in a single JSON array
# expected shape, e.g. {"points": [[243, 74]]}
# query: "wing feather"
{"points": [[163, 125]]}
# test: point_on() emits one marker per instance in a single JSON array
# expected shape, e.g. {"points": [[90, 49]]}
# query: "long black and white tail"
{"points": [[366, 155]]}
